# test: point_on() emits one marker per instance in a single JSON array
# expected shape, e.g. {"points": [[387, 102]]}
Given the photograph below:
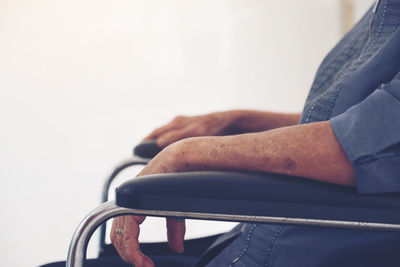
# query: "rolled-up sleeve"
{"points": [[369, 133]]}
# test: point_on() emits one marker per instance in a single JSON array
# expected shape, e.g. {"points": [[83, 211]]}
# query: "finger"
{"points": [[154, 134], [176, 234], [174, 124], [131, 241], [117, 239], [148, 262], [175, 135]]}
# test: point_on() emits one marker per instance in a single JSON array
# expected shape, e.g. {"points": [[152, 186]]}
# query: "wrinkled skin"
{"points": [[213, 124], [308, 150], [127, 245]]}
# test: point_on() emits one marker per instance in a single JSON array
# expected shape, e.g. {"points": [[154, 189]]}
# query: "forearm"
{"points": [[309, 150], [245, 121]]}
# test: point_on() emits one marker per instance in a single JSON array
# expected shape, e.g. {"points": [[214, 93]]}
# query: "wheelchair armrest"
{"points": [[242, 196], [256, 194], [147, 149]]}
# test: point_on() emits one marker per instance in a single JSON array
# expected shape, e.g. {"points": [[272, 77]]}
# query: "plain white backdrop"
{"points": [[81, 82]]}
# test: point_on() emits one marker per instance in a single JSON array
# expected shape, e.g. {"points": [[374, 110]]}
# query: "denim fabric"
{"points": [[363, 103], [253, 247], [357, 88], [286, 246]]}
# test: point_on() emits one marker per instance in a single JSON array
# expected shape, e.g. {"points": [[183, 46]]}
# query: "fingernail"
{"points": [[179, 219]]}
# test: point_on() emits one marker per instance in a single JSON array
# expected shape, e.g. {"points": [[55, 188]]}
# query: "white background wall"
{"points": [[81, 82]]}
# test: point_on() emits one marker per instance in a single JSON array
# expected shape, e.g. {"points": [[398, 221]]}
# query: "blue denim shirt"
{"points": [[357, 88]]}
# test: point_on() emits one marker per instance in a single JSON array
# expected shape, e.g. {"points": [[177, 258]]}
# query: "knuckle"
{"points": [[117, 242], [179, 118], [197, 130], [127, 238], [120, 244]]}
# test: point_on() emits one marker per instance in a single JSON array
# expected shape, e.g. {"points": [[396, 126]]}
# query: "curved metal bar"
{"points": [[120, 167], [77, 249], [108, 210], [106, 188], [270, 219]]}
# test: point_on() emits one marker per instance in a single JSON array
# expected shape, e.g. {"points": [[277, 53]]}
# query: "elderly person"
{"points": [[348, 133]]}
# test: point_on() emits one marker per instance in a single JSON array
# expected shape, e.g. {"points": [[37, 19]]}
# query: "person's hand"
{"points": [[183, 127], [125, 230]]}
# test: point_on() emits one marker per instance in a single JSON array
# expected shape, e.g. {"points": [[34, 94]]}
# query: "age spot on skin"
{"points": [[289, 164], [256, 149]]}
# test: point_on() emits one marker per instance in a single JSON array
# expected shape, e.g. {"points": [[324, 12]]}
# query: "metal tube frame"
{"points": [[108, 210], [106, 188]]}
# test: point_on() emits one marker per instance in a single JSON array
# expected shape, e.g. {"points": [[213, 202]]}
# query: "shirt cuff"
{"points": [[369, 134]]}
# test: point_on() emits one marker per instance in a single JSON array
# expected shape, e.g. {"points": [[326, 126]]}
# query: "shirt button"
{"points": [[235, 260]]}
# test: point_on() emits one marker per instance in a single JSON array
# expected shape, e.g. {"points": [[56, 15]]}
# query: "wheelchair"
{"points": [[230, 196]]}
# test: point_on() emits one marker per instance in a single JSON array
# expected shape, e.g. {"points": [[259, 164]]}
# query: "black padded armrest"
{"points": [[256, 194], [147, 149]]}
